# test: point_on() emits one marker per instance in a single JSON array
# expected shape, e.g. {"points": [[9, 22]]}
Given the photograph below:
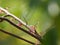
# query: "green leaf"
{"points": [[50, 38]]}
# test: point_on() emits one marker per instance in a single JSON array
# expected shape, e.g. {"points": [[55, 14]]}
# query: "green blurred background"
{"points": [[44, 13]]}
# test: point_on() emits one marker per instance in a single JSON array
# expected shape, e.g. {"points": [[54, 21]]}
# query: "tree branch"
{"points": [[38, 38], [16, 36], [18, 19]]}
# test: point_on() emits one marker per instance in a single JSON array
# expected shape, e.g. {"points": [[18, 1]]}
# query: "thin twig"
{"points": [[18, 19], [16, 36], [38, 38]]}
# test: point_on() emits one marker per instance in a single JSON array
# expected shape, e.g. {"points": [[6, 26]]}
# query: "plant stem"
{"points": [[38, 38], [18, 19], [16, 36]]}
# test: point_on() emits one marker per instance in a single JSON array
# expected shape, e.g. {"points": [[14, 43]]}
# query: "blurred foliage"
{"points": [[50, 38], [43, 13]]}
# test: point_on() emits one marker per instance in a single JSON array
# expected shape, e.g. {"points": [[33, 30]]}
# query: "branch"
{"points": [[18, 19], [38, 38], [16, 36]]}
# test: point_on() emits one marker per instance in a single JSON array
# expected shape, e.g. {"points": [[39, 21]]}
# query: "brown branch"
{"points": [[16, 36], [38, 38]]}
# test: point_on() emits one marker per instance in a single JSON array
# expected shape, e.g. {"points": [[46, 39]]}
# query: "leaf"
{"points": [[50, 38]]}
